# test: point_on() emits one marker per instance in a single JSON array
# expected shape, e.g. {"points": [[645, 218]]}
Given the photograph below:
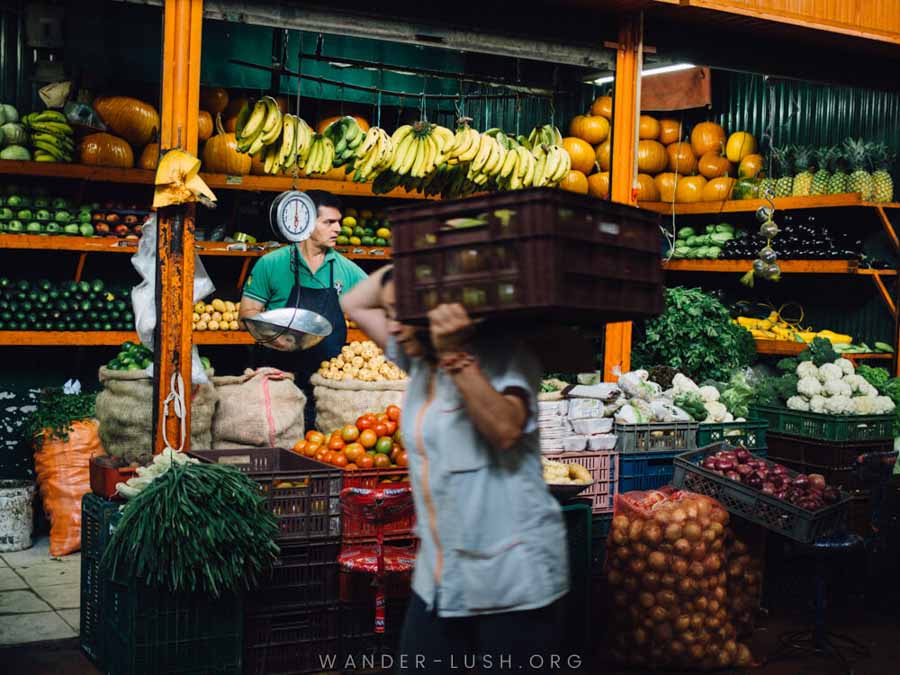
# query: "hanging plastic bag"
{"points": [[143, 296]]}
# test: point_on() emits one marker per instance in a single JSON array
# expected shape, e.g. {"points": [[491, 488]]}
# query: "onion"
{"points": [[768, 488], [683, 547], [619, 537], [648, 623], [754, 480], [637, 566], [696, 652], [702, 604], [666, 598], [800, 481], [682, 623], [730, 647], [717, 546], [646, 600], [653, 534], [673, 532], [651, 581], [658, 613], [667, 580], [679, 567], [699, 551], [614, 578], [713, 564], [724, 659], [679, 516], [687, 587], [635, 529], [710, 535], [692, 531], [623, 553], [713, 623], [689, 637], [631, 584], [657, 561], [662, 633], [641, 550], [713, 606], [743, 658], [744, 470], [711, 463], [620, 522], [640, 636], [691, 507], [726, 465], [718, 515], [677, 648], [743, 455], [733, 475], [735, 569]]}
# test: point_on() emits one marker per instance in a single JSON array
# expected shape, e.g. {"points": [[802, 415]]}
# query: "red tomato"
{"points": [[391, 427], [402, 458], [351, 467], [349, 433], [315, 437], [365, 422], [336, 443], [354, 451], [382, 461], [381, 418], [393, 412], [381, 429], [368, 438], [365, 462], [339, 460]]}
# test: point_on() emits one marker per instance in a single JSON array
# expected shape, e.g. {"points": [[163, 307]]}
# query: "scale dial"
{"points": [[293, 216]]}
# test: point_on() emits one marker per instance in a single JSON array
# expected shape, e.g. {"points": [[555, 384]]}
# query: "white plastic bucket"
{"points": [[16, 514]]}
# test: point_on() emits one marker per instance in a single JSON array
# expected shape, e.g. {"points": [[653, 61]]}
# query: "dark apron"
{"points": [[303, 364]]}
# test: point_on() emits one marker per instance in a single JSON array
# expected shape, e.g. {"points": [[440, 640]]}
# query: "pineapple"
{"points": [[837, 184], [767, 181], [821, 157], [883, 184], [784, 169], [803, 180], [860, 180]]}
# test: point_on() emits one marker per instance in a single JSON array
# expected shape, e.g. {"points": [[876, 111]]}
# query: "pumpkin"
{"points": [[718, 189], [648, 127], [214, 99], [361, 121], [204, 126], [681, 158], [689, 189], [707, 136], [220, 154], [149, 157], [232, 111], [712, 165], [598, 184], [337, 173], [669, 131], [665, 183], [106, 150], [575, 181], [750, 166], [258, 163], [651, 156], [602, 106], [581, 154], [646, 188], [591, 128], [135, 121], [602, 155], [740, 144]]}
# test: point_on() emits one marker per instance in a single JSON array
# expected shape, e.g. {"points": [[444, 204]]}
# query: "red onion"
{"points": [[800, 481], [733, 475], [817, 480], [743, 455], [744, 470], [768, 488], [726, 465]]}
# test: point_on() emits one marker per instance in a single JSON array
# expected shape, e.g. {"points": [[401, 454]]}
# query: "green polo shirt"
{"points": [[271, 280]]}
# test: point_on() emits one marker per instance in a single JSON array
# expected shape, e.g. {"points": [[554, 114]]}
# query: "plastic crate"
{"points": [[359, 641], [304, 495], [773, 514], [651, 470], [296, 641], [840, 428], [751, 435], [356, 530], [304, 574], [603, 467], [599, 533], [540, 253], [358, 588], [656, 437], [98, 518]]}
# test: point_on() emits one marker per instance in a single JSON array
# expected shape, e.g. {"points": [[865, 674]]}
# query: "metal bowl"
{"points": [[295, 329], [566, 491]]}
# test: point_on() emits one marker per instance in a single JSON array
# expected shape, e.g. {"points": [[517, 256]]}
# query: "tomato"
{"points": [[391, 428], [354, 451], [381, 429], [316, 437], [351, 467], [402, 458], [382, 418], [382, 462], [336, 443], [313, 449], [349, 433], [365, 462], [368, 438], [299, 447], [365, 422], [393, 413], [320, 455], [398, 438], [394, 451], [339, 460], [384, 445]]}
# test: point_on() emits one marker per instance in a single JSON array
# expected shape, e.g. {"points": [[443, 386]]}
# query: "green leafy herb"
{"points": [[693, 405], [787, 365], [877, 377], [55, 413], [663, 376], [775, 390], [738, 395]]}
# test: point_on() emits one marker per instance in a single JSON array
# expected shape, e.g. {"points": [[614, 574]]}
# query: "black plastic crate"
{"points": [[303, 574], [292, 642], [360, 644], [98, 518]]}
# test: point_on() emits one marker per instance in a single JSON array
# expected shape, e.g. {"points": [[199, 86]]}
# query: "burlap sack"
{"points": [[340, 402], [261, 408], [125, 412]]}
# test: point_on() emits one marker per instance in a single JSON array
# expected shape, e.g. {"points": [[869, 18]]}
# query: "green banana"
{"points": [[55, 128], [50, 116], [49, 148], [62, 142]]}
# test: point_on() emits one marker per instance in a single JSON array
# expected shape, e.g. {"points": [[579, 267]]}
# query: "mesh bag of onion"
{"points": [[667, 567]]}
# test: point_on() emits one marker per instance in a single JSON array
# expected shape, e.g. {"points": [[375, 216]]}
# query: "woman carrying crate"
{"points": [[492, 562]]}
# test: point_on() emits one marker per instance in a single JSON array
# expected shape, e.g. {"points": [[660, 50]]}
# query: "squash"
{"points": [[106, 150], [647, 191], [229, 117], [712, 165], [750, 166], [324, 124], [214, 99], [149, 157], [602, 106], [135, 121], [591, 128], [740, 144], [575, 181], [681, 158], [598, 184], [718, 189], [581, 154], [707, 136], [602, 155], [651, 157], [665, 183], [257, 163], [669, 131], [689, 189], [220, 154], [204, 126], [648, 127]]}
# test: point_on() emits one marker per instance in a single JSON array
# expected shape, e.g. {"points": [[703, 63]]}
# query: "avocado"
{"points": [[87, 230], [42, 214], [71, 228], [84, 216], [379, 241], [6, 213], [52, 228], [17, 201], [62, 216], [34, 227], [25, 214]]}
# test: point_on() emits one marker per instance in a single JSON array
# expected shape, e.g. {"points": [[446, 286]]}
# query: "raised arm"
{"points": [[363, 305]]}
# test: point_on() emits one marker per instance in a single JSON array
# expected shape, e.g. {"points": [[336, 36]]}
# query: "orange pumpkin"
{"points": [[669, 131], [739, 145], [324, 124], [718, 189], [648, 127], [575, 181], [707, 136], [204, 126], [713, 165], [602, 155], [258, 163], [214, 99], [106, 150], [646, 188], [598, 184], [232, 110], [581, 154], [665, 183], [591, 128], [149, 157], [750, 166], [651, 156], [689, 189], [681, 158], [602, 106], [135, 121], [337, 173], [220, 154]]}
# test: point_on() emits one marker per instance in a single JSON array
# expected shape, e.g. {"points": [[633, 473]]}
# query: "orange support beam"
{"points": [[183, 24], [626, 111]]}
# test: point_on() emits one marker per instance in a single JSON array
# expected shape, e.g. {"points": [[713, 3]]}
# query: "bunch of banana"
{"points": [[260, 127], [374, 155], [545, 135], [321, 155], [490, 158], [347, 137], [51, 136], [293, 150], [465, 145], [417, 149], [553, 164], [521, 175]]}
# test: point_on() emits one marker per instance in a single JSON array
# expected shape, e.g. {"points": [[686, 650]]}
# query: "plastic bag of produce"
{"points": [[666, 569], [636, 384], [340, 402], [262, 408], [64, 477], [125, 412], [744, 555]]}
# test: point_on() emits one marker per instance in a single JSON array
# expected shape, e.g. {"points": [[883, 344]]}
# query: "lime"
{"points": [[343, 240], [347, 231], [368, 241], [379, 241], [359, 232]]}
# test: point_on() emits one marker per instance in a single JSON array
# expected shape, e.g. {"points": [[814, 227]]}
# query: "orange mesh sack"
{"points": [[666, 568], [63, 474]]}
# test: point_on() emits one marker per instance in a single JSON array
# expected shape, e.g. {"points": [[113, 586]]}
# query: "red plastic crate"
{"points": [[292, 642], [357, 531], [604, 467], [304, 574]]}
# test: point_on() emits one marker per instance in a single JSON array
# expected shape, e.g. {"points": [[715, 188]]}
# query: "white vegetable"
{"points": [[846, 366], [728, 417], [716, 412], [663, 411], [817, 404], [864, 405], [883, 405], [798, 403], [830, 372], [838, 388], [683, 385], [840, 405], [636, 385], [809, 387], [708, 393], [867, 389], [856, 382], [807, 369], [634, 413]]}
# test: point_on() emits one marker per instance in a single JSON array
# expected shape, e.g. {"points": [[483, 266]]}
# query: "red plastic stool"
{"points": [[379, 506]]}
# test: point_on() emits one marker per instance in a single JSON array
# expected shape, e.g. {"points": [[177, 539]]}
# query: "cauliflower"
{"points": [[663, 411], [708, 393], [717, 412], [728, 418], [864, 405], [636, 384], [809, 387], [798, 402], [867, 390], [846, 366], [682, 384], [807, 369], [840, 405], [817, 404], [856, 382], [838, 388], [830, 372], [883, 405]]}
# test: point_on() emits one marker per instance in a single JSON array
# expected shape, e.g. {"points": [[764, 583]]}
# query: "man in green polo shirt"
{"points": [[310, 275]]}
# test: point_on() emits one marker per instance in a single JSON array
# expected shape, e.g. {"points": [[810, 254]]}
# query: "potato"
{"points": [[234, 325], [206, 317]]}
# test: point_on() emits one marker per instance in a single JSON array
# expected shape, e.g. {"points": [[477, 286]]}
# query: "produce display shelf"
{"points": [[52, 338], [787, 267], [750, 205], [790, 348], [47, 242], [365, 252]]}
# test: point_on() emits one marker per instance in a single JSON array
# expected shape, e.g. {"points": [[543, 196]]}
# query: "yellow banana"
{"points": [[410, 158], [401, 133], [255, 121], [484, 153]]}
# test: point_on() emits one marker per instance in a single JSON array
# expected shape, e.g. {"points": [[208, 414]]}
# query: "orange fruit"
{"points": [[581, 153], [313, 449], [381, 429], [349, 433], [575, 181], [366, 462], [339, 460], [384, 445], [351, 467], [336, 443], [368, 438], [354, 451], [316, 437], [328, 456], [402, 458], [393, 413], [365, 422], [320, 456], [382, 461]]}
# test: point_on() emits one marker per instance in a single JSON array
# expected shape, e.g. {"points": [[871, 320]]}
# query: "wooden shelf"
{"points": [[40, 242], [222, 337], [787, 267], [789, 348], [365, 252], [112, 338], [750, 205], [101, 174]]}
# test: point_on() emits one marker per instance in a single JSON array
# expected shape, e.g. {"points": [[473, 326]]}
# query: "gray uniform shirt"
{"points": [[492, 537]]}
